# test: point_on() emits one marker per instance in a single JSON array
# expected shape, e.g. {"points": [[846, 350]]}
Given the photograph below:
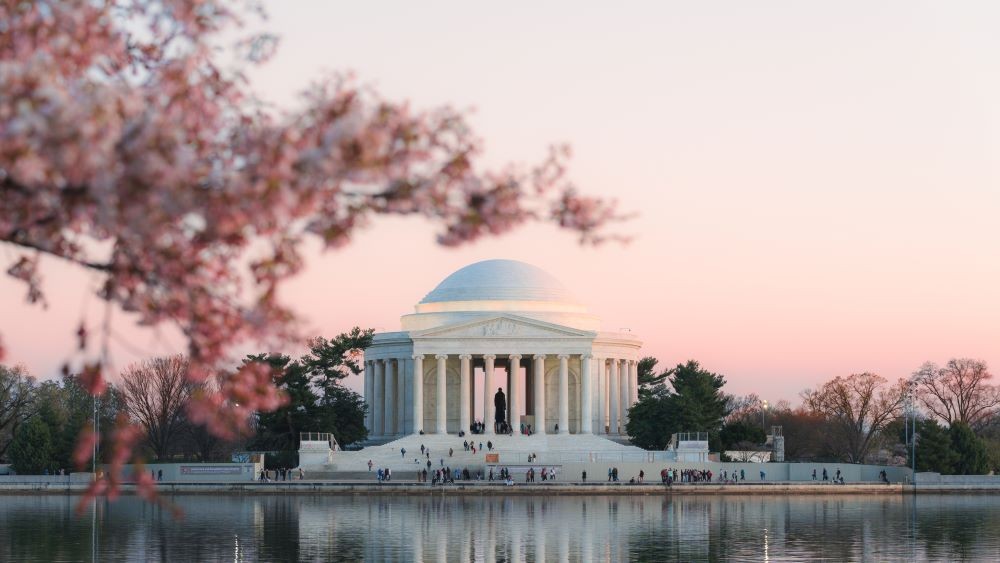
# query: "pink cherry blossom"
{"points": [[127, 148]]}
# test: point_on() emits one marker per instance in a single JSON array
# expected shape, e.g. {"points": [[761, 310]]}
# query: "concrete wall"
{"points": [[51, 479], [199, 472], [929, 478]]}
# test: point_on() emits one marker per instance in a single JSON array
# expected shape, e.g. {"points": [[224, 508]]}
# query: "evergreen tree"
{"points": [[330, 361], [279, 429], [651, 422], [696, 404], [741, 435], [650, 382], [934, 451], [318, 401], [698, 398], [972, 457], [31, 451]]}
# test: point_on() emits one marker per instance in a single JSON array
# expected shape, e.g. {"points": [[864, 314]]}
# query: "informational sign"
{"points": [[492, 458], [211, 470]]}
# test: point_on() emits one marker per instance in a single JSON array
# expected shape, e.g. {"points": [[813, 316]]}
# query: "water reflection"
{"points": [[492, 529]]}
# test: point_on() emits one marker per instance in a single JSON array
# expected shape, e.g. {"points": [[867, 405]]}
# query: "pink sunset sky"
{"points": [[816, 184]]}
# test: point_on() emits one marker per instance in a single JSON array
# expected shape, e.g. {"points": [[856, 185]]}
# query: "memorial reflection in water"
{"points": [[518, 528]]}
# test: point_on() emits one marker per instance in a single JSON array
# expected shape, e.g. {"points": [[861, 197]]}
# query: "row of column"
{"points": [[385, 393], [616, 390]]}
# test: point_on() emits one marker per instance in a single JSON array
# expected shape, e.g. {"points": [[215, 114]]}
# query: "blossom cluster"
{"points": [[127, 148]]}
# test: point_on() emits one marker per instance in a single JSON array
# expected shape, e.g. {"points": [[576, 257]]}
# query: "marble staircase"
{"points": [[550, 449]]}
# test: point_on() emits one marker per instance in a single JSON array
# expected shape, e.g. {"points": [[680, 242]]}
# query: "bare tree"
{"points": [[17, 393], [743, 408], [958, 392], [858, 408], [155, 393]]}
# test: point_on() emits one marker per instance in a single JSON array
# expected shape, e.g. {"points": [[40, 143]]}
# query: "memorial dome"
{"points": [[493, 287], [499, 280]]}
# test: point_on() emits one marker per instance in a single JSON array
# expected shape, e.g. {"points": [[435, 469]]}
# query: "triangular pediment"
{"points": [[503, 326]]}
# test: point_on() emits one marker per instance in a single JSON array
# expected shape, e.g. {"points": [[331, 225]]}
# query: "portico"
{"points": [[500, 324]]}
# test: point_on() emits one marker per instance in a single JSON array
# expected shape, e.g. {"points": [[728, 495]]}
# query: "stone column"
{"points": [[507, 374], [601, 393], [587, 397], [466, 377], [633, 382], [623, 395], [418, 394], [514, 372], [614, 404], [370, 397], [538, 377], [379, 403], [472, 393], [400, 396], [488, 414], [442, 394], [390, 398], [563, 394]]}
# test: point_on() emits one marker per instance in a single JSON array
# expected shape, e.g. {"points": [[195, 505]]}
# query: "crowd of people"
{"points": [[272, 475], [838, 477], [668, 476], [499, 427]]}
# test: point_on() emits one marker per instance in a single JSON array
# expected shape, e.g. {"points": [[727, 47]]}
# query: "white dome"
{"points": [[494, 287], [499, 280]]}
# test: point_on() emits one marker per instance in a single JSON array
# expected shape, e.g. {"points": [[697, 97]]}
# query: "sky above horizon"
{"points": [[815, 185]]}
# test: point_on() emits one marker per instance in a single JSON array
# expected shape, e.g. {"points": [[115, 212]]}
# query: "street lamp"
{"points": [[763, 409], [910, 412]]}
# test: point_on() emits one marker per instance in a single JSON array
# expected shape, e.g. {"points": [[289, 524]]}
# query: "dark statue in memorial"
{"points": [[500, 404]]}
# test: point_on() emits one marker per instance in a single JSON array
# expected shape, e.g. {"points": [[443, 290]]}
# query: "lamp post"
{"points": [[763, 409], [911, 413]]}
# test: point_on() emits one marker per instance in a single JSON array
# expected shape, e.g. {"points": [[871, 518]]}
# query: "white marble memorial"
{"points": [[500, 321]]}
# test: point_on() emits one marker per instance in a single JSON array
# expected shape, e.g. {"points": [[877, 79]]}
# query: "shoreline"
{"points": [[479, 488]]}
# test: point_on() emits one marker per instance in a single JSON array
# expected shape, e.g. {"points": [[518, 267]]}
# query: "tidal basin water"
{"points": [[519, 528]]}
